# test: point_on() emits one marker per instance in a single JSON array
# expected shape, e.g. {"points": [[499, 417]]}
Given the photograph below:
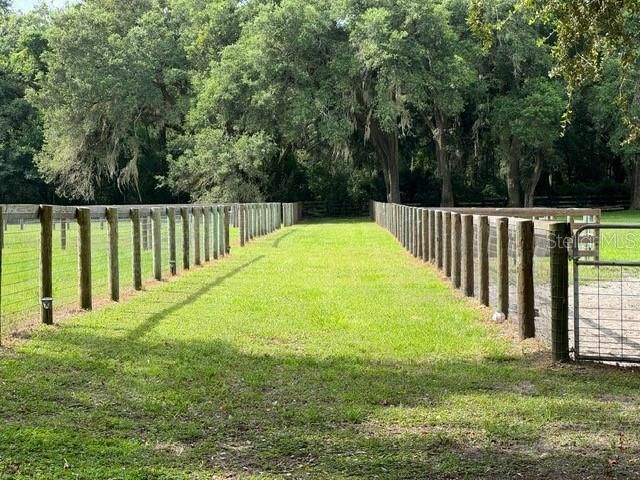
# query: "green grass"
{"points": [[621, 244], [20, 301], [322, 351]]}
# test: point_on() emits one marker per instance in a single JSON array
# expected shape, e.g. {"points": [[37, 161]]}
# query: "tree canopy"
{"points": [[435, 102]]}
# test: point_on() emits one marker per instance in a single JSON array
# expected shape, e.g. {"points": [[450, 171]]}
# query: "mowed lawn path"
{"points": [[321, 351]]}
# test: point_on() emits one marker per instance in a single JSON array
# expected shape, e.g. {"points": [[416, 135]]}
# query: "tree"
{"points": [[280, 82], [115, 91], [416, 57], [612, 123], [21, 46], [308, 75], [526, 105]]}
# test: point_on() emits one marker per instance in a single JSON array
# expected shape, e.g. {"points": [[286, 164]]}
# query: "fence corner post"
{"points": [[559, 234]]}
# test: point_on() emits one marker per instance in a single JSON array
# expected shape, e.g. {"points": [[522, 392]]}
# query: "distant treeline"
{"points": [[429, 102]]}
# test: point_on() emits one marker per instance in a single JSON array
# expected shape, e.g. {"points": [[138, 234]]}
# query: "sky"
{"points": [[25, 5]]}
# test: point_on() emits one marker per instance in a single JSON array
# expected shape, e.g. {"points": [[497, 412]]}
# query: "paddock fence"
{"points": [[512, 260], [59, 260]]}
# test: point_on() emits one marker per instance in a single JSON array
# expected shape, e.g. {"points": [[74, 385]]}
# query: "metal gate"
{"points": [[606, 294]]}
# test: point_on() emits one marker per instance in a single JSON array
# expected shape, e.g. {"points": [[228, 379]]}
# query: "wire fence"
{"points": [[516, 264], [56, 261]]}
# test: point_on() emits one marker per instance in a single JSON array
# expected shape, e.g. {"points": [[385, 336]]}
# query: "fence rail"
{"points": [[56, 260], [510, 262]]}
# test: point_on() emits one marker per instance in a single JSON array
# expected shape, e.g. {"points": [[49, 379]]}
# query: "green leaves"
{"points": [[117, 83], [211, 165]]}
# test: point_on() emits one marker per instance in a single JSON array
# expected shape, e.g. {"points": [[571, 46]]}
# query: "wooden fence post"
{"points": [[46, 264], [156, 219], [227, 243], [242, 226], [483, 259], [134, 214], [432, 236], [524, 256], [186, 240], [425, 235], [254, 221], [114, 259], [197, 219], [502, 260], [439, 238], [560, 235], [418, 247], [467, 255], [83, 216], [446, 244], [456, 240], [408, 230], [173, 258], [216, 232], [207, 233], [405, 228]]}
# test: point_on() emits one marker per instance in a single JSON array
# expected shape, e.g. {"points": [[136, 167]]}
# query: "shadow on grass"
{"points": [[276, 242], [152, 320], [181, 407]]}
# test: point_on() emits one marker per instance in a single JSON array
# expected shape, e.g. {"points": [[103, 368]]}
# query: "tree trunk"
{"points": [[635, 184], [530, 190], [439, 132], [387, 152], [513, 175]]}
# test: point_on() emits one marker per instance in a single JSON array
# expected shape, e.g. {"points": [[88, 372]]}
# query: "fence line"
{"points": [[512, 263], [56, 260]]}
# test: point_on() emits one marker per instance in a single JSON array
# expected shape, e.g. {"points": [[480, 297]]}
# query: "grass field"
{"points": [[623, 245], [20, 268], [322, 351]]}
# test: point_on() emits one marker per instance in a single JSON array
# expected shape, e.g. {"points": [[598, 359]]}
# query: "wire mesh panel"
{"points": [[20, 301], [542, 282], [125, 251], [65, 264], [99, 257], [606, 306], [146, 234]]}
